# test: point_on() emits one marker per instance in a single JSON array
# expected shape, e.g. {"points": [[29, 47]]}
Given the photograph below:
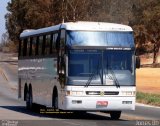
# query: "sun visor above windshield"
{"points": [[91, 38]]}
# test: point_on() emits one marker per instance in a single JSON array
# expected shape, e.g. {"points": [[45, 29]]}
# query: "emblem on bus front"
{"points": [[102, 93]]}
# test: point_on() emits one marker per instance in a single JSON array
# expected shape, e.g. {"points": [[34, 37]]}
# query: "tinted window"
{"points": [[40, 45], [29, 47], [54, 43], [87, 38], [37, 46], [47, 44], [34, 46], [43, 45]]}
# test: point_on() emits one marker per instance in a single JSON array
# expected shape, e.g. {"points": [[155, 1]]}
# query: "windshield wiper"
{"points": [[92, 76], [90, 79], [114, 78]]}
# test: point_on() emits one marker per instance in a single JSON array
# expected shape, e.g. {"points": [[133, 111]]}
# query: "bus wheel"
{"points": [[29, 100], [115, 115], [55, 101]]}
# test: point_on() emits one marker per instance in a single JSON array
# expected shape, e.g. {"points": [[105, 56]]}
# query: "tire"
{"points": [[55, 101], [25, 91], [115, 115], [29, 100]]}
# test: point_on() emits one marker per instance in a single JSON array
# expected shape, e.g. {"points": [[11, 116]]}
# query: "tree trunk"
{"points": [[155, 53]]}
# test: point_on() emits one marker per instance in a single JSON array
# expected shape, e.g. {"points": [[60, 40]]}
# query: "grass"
{"points": [[146, 98]]}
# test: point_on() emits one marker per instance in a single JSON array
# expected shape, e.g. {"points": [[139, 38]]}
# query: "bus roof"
{"points": [[85, 26]]}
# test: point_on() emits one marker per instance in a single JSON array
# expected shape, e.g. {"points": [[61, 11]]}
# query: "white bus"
{"points": [[79, 66]]}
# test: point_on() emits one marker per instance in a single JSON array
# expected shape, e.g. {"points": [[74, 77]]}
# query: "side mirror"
{"points": [[138, 62]]}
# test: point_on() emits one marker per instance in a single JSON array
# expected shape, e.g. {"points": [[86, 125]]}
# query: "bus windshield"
{"points": [[106, 67], [119, 64], [82, 65], [100, 38]]}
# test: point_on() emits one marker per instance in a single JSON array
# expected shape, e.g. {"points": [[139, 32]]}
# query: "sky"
{"points": [[3, 11]]}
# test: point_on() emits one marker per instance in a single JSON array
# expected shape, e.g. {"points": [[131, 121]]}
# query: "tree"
{"points": [[152, 23], [15, 18], [147, 24], [27, 14], [4, 39]]}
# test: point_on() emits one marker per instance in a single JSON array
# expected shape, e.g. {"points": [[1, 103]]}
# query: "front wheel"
{"points": [[115, 115], [55, 102]]}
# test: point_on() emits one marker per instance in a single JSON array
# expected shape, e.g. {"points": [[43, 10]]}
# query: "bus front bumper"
{"points": [[98, 103]]}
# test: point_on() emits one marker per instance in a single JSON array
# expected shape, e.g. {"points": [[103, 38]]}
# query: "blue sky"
{"points": [[3, 11]]}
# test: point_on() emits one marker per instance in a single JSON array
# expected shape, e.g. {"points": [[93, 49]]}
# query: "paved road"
{"points": [[13, 109]]}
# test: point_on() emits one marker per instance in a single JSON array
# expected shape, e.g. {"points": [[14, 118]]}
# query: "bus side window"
{"points": [[54, 43], [34, 46], [29, 48], [40, 45], [51, 44], [37, 46], [43, 45], [47, 44]]}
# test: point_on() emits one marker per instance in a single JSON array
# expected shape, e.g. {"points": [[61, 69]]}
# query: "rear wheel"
{"points": [[29, 100], [115, 115]]}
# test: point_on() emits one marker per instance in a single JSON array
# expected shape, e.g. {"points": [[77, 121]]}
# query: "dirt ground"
{"points": [[148, 80]]}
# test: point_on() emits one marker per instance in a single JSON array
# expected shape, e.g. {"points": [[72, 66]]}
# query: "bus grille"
{"points": [[101, 93]]}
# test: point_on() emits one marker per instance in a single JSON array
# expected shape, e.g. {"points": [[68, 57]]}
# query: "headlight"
{"points": [[74, 93], [128, 93]]}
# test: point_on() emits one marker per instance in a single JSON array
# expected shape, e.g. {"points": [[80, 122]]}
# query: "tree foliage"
{"points": [[146, 23], [4, 39], [142, 15], [29, 14]]}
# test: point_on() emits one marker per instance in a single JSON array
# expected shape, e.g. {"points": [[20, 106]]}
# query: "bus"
{"points": [[79, 66]]}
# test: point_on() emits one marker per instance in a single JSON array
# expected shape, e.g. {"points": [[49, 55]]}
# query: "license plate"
{"points": [[102, 103]]}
